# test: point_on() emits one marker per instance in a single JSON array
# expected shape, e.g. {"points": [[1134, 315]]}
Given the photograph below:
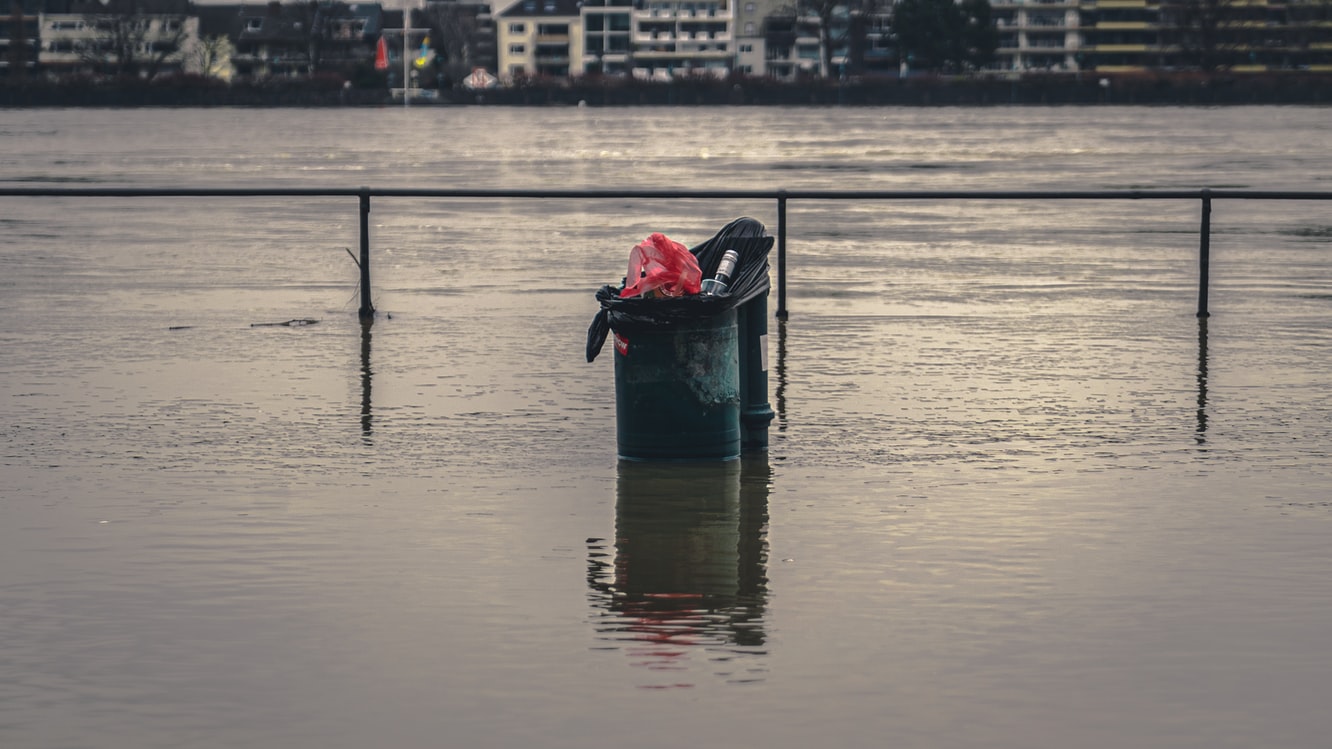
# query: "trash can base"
{"points": [[677, 391]]}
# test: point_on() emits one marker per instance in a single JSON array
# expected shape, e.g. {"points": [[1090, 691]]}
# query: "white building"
{"points": [[682, 37], [750, 45], [97, 38], [1037, 34]]}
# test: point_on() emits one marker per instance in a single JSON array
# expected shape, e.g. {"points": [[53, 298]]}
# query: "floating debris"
{"points": [[180, 327], [289, 323]]}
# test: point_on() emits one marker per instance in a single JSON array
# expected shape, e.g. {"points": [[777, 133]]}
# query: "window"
{"points": [[749, 7], [517, 49], [746, 48], [254, 24], [749, 28], [517, 28]]}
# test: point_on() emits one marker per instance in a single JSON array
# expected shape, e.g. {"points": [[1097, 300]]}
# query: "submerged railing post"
{"points": [[1204, 252], [781, 255], [367, 308]]}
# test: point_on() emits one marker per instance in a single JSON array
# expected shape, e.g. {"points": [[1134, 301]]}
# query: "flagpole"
{"points": [[406, 31], [406, 62], [382, 53]]}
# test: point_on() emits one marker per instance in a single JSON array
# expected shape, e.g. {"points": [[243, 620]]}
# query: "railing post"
{"points": [[1204, 252], [781, 255], [367, 308]]}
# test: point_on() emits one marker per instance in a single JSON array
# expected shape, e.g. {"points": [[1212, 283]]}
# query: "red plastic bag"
{"points": [[660, 266]]}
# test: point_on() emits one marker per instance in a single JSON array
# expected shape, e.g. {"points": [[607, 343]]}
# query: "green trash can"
{"points": [[677, 390]]}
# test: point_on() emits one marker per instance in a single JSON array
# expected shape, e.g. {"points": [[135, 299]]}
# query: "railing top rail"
{"points": [[631, 193]]}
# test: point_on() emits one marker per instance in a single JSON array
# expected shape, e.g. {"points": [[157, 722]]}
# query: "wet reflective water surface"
{"points": [[1017, 494]]}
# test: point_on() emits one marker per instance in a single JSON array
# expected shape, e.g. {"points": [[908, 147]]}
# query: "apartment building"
{"points": [[143, 38], [791, 45], [1038, 35], [20, 38], [682, 37], [751, 46], [540, 38], [607, 36], [1244, 37]]}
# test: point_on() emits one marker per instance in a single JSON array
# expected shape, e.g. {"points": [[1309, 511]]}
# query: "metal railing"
{"points": [[781, 196]]}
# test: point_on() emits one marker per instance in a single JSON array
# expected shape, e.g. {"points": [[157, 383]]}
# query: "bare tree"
{"points": [[980, 38], [314, 22], [945, 35], [842, 28], [133, 38], [453, 30], [1208, 34], [211, 57]]}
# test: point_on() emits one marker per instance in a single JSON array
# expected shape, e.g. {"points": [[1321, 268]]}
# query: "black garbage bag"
{"points": [[746, 236]]}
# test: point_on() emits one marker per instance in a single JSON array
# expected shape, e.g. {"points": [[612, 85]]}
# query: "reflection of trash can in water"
{"points": [[680, 363], [687, 567]]}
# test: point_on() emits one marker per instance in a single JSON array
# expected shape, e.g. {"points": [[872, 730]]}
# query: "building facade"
{"points": [[607, 36], [540, 38], [1038, 35], [682, 38], [20, 39], [646, 39], [118, 37]]}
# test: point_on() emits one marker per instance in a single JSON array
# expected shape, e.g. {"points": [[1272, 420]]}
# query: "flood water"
{"points": [[1017, 494]]}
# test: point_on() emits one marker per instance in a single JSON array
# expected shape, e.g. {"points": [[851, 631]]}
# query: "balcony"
{"points": [[1048, 23], [673, 14]]}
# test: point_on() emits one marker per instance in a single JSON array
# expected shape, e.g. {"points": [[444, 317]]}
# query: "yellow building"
{"points": [[540, 38]]}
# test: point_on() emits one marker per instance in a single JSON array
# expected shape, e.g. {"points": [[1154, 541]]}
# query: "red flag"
{"points": [[381, 55]]}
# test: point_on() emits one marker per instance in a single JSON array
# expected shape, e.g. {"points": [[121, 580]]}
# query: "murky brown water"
{"points": [[1016, 495]]}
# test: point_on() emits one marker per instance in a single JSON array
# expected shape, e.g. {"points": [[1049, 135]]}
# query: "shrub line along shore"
{"points": [[1088, 88]]}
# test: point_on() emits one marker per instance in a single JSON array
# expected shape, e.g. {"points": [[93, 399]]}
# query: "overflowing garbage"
{"points": [[665, 282]]}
